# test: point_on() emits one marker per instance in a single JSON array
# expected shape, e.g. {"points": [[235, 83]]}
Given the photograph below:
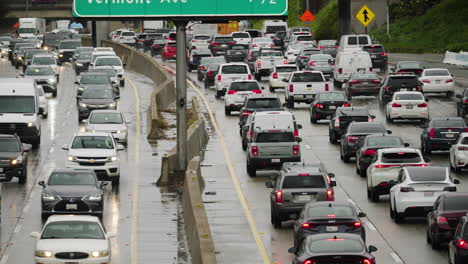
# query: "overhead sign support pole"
{"points": [[181, 101]]}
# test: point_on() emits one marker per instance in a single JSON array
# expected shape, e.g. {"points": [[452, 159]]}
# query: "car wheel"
{"points": [[435, 243], [362, 173], [272, 90], [313, 118], [54, 93], [116, 181], [275, 220], [343, 155], [333, 139], [36, 143], [199, 77], [217, 95], [368, 193], [258, 77], [291, 103], [227, 111], [392, 213], [24, 177], [449, 94], [389, 120], [397, 217], [375, 197], [244, 144], [251, 170]]}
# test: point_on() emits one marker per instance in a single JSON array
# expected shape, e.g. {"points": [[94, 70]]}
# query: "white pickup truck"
{"points": [[267, 61], [302, 86]]}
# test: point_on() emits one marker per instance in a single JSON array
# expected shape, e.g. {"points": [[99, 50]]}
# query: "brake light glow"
{"points": [[285, 61], [383, 54], [318, 106], [307, 262], [296, 133], [232, 91], [340, 70], [331, 215], [346, 105], [296, 149], [371, 69], [279, 196], [327, 87], [357, 224], [352, 139], [449, 81], [396, 105], [375, 81], [387, 88], [291, 88], [432, 133], [249, 77], [254, 150], [214, 44], [312, 63], [442, 220], [257, 91], [209, 73], [419, 88], [254, 45], [465, 101], [369, 119], [369, 152], [335, 239], [426, 81], [275, 75], [231, 43], [320, 47], [330, 195], [367, 261], [305, 225], [461, 244], [419, 71], [354, 82], [303, 174], [422, 105]]}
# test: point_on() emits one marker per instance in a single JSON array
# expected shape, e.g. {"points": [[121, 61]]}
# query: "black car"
{"points": [[362, 83], [462, 103], [211, 72], [220, 44], [81, 63], [151, 40], [195, 58], [339, 248], [325, 217], [441, 133], [354, 137], [325, 105], [343, 117], [93, 79], [139, 41], [398, 82], [157, 45], [415, 67], [258, 102], [237, 53], [70, 191], [13, 158], [369, 148], [278, 39], [458, 247], [66, 50], [95, 98], [205, 62], [303, 56], [378, 56]]}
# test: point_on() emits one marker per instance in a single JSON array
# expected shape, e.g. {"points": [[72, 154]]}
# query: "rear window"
{"points": [[274, 137], [320, 57], [327, 43], [410, 65], [201, 37], [448, 123], [272, 54], [464, 141], [281, 34], [332, 97], [367, 128], [223, 40], [363, 40], [297, 182], [456, 204], [276, 121], [436, 73], [305, 38], [142, 36], [264, 103], [403, 81], [384, 142], [274, 29], [352, 40], [311, 52], [401, 157], [235, 69], [325, 211], [172, 44], [244, 86], [409, 96], [364, 76], [128, 34], [241, 35], [428, 174], [286, 69], [336, 246], [373, 48], [307, 77]]}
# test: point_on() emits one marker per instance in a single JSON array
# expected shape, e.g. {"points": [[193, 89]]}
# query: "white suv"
{"points": [[228, 73], [238, 91], [127, 37], [96, 151]]}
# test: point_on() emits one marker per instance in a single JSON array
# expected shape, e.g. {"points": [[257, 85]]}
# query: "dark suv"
{"points": [[352, 140], [441, 133], [458, 247], [462, 104], [343, 117], [378, 56], [13, 158], [221, 44], [396, 82], [297, 184]]}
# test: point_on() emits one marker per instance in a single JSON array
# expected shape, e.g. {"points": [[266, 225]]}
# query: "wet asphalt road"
{"points": [[403, 243], [143, 218]]}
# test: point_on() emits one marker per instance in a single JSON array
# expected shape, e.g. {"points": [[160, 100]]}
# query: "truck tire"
{"points": [[116, 181], [227, 111], [251, 170], [24, 177], [36, 143], [275, 220], [122, 82], [290, 102], [258, 77]]}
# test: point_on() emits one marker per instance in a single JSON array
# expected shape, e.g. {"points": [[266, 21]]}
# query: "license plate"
{"points": [[365, 82], [71, 263], [224, 45], [403, 89], [275, 160], [437, 81], [450, 135], [332, 228], [238, 53], [428, 194], [303, 198], [332, 107], [309, 89], [72, 207], [1, 169], [373, 56], [409, 106]]}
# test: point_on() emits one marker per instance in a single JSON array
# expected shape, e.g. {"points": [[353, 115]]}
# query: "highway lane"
{"points": [[397, 243], [130, 210]]}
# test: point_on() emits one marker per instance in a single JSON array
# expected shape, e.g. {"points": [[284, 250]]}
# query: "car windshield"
{"points": [[43, 61], [436, 73], [327, 43], [410, 65], [272, 137], [106, 118], [274, 29], [332, 97], [30, 53], [69, 45], [108, 61], [155, 36], [244, 86], [9, 145], [307, 77], [272, 54], [84, 56], [261, 40], [235, 69], [94, 79], [17, 104], [336, 246], [108, 71], [373, 48], [223, 40], [409, 96], [300, 182], [75, 178], [92, 142], [456, 203], [201, 37], [34, 71], [304, 38], [329, 211], [384, 142], [264, 103], [401, 157], [210, 60], [435, 174], [97, 94], [128, 34], [73, 230], [286, 69], [448, 123]]}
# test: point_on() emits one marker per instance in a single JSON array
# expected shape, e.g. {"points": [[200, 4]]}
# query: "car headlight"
{"points": [[83, 105], [112, 105], [79, 64], [114, 158], [100, 254], [95, 197], [43, 253], [30, 124], [71, 158], [20, 58], [60, 55], [81, 88], [52, 80], [18, 160], [46, 48], [48, 197]]}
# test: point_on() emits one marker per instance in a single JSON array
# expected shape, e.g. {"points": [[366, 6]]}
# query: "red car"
{"points": [[169, 51]]}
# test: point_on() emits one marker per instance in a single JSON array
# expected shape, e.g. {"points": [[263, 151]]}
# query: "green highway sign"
{"points": [[220, 9]]}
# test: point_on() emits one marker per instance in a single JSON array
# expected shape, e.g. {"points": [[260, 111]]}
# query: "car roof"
{"points": [[396, 150], [8, 136], [408, 92], [454, 194], [71, 170], [96, 133], [323, 236], [42, 55], [436, 69], [447, 118], [278, 113], [353, 111], [106, 111], [40, 66], [61, 218], [262, 96], [328, 204]]}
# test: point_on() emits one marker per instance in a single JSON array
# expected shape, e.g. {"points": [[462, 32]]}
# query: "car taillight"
{"points": [[327, 87], [303, 57], [371, 69], [461, 244], [419, 88], [449, 81], [352, 139], [202, 68], [330, 195], [307, 225], [318, 106], [279, 196], [257, 91], [406, 189], [465, 101], [383, 54], [254, 45], [231, 43], [251, 134], [354, 82], [209, 74], [396, 105], [346, 105], [249, 76], [422, 105], [375, 81], [191, 58], [450, 189], [466, 129], [367, 261], [307, 261], [369, 152], [291, 88], [254, 151], [419, 71], [369, 119], [320, 47], [462, 148], [312, 63], [272, 45], [214, 44], [357, 224], [387, 88], [232, 91], [259, 64], [337, 47], [296, 149], [246, 113], [340, 70], [220, 78], [337, 122], [285, 61], [401, 71], [296, 133], [442, 220], [426, 81], [275, 75], [432, 133]]}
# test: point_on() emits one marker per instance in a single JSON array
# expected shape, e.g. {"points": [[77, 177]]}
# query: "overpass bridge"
{"points": [[31, 8]]}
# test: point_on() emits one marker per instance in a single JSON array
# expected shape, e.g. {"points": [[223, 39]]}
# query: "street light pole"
{"points": [[27, 8], [388, 18], [181, 88]]}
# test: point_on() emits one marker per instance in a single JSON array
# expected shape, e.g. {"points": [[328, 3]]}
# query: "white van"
{"points": [[19, 108], [348, 62], [354, 42], [270, 27]]}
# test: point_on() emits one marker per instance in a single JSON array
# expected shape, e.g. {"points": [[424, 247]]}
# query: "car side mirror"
{"points": [[456, 181], [299, 126], [117, 97], [331, 175], [35, 235], [389, 132], [78, 97], [458, 96], [372, 116], [333, 183], [361, 214], [78, 83], [120, 147], [406, 145], [285, 105], [285, 80], [269, 184], [263, 88], [292, 250], [41, 183], [299, 139], [128, 122], [427, 159], [103, 184], [124, 64], [65, 147], [372, 249], [26, 148]]}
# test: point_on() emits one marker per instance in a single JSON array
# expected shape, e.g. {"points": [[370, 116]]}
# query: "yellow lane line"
{"points": [[136, 176], [235, 180]]}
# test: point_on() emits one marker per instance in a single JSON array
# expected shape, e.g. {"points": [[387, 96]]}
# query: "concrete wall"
{"points": [[379, 7]]}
